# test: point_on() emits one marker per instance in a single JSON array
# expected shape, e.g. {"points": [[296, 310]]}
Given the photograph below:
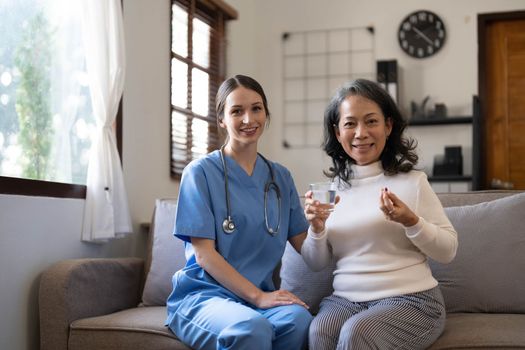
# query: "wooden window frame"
{"points": [[215, 13]]}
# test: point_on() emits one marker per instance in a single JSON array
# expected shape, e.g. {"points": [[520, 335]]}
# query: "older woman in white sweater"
{"points": [[387, 222]]}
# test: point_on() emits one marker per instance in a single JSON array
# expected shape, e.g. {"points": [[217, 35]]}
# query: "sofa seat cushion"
{"points": [[137, 328], [482, 331]]}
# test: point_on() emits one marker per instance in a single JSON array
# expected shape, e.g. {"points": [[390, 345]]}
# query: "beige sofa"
{"points": [[119, 303]]}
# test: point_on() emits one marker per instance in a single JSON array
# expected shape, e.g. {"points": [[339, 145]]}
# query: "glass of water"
{"points": [[324, 192]]}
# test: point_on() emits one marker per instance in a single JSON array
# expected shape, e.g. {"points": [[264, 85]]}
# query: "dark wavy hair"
{"points": [[233, 83], [399, 153]]}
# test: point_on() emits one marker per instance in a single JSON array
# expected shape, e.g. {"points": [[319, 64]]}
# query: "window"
{"points": [[197, 69], [46, 118]]}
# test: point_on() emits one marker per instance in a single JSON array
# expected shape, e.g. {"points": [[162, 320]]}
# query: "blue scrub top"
{"points": [[249, 249]]}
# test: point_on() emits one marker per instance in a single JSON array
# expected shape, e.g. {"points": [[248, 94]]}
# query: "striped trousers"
{"points": [[410, 321]]}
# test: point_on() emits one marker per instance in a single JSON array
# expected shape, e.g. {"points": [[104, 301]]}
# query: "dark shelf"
{"points": [[450, 178], [441, 121]]}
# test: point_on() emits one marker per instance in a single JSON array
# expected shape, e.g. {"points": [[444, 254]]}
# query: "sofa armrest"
{"points": [[80, 288]]}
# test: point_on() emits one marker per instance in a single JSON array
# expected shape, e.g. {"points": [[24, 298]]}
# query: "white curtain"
{"points": [[65, 86], [106, 213]]}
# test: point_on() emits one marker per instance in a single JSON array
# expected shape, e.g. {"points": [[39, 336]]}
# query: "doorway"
{"points": [[500, 158]]}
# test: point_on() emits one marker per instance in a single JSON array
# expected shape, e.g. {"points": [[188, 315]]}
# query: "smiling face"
{"points": [[244, 117], [362, 129]]}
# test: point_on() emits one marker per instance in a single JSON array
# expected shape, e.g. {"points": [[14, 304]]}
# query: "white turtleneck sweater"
{"points": [[377, 258]]}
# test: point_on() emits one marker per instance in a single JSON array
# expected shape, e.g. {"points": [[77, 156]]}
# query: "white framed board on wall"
{"points": [[315, 63]]}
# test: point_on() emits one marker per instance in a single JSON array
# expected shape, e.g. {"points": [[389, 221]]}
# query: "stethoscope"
{"points": [[228, 225]]}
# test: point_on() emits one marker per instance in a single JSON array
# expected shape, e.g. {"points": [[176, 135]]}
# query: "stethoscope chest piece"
{"points": [[228, 225]]}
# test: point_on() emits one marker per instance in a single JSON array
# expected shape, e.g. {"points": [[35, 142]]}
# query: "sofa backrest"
{"points": [[166, 255], [451, 199], [483, 275]]}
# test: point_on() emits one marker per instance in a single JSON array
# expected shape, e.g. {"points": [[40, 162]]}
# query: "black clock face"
{"points": [[421, 34]]}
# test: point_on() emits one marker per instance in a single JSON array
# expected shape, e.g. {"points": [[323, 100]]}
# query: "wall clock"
{"points": [[421, 34]]}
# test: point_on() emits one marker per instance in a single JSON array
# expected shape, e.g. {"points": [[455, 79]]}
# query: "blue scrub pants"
{"points": [[219, 323]]}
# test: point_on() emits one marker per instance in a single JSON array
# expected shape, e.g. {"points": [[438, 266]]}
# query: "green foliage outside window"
{"points": [[33, 98]]}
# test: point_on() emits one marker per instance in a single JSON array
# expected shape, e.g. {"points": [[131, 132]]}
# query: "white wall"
{"points": [[449, 77], [146, 110], [254, 48]]}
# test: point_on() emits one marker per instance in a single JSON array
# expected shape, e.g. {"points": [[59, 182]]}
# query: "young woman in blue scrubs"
{"points": [[224, 298]]}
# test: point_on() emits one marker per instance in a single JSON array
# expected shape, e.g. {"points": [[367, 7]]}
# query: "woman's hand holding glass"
{"points": [[316, 212]]}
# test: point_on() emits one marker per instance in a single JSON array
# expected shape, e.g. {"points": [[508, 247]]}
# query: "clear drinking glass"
{"points": [[324, 192]]}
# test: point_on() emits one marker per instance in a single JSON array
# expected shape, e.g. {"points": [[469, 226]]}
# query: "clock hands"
{"points": [[420, 33]]}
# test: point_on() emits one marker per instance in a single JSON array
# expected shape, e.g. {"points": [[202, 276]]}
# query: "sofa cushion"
{"points": [[456, 199], [166, 254], [482, 331], [485, 275], [311, 287], [137, 328]]}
